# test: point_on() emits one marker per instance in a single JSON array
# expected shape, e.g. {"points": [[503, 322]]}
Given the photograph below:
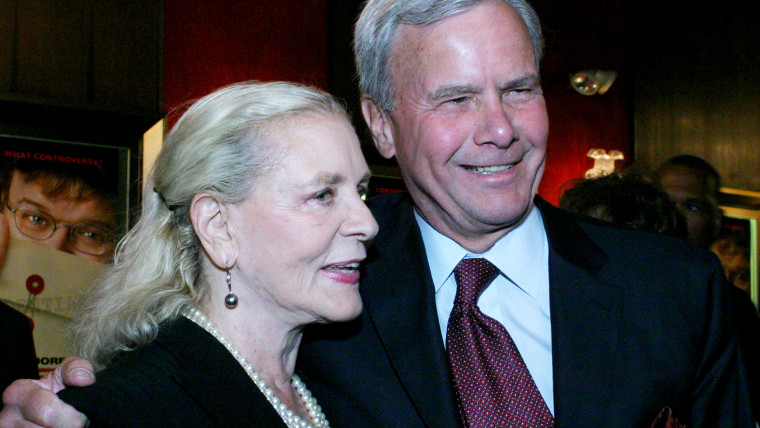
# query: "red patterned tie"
{"points": [[493, 385]]}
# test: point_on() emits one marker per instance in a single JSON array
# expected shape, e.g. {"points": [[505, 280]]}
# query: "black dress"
{"points": [[184, 378]]}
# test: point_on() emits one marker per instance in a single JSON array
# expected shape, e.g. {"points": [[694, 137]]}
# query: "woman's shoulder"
{"points": [[183, 378], [133, 389]]}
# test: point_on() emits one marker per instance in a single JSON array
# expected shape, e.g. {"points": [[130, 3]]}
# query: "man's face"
{"points": [[469, 126], [91, 215], [695, 198]]}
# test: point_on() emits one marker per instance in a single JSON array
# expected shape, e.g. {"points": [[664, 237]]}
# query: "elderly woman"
{"points": [[253, 226]]}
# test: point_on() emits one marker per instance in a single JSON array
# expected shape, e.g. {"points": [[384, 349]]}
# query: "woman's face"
{"points": [[304, 229]]}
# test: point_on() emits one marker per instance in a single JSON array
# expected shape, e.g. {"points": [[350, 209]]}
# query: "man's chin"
{"points": [[502, 214]]}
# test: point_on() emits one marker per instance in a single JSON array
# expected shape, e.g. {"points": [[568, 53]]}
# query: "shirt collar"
{"points": [[516, 254]]}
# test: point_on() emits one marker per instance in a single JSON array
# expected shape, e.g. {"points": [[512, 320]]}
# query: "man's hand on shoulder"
{"points": [[34, 403]]}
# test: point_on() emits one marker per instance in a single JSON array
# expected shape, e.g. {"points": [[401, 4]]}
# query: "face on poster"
{"points": [[66, 206]]}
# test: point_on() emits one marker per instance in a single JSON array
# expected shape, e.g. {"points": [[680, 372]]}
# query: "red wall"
{"points": [[207, 45], [583, 35], [578, 123]]}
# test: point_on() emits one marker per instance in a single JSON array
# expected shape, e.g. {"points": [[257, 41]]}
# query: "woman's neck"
{"points": [[267, 343], [262, 362]]}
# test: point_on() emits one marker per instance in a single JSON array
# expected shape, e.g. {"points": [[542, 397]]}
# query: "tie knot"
{"points": [[472, 276]]}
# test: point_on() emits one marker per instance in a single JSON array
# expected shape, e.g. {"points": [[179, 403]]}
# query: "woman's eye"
{"points": [[323, 196], [363, 190]]}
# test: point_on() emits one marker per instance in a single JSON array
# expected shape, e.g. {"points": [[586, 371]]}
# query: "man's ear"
{"points": [[379, 125], [210, 219]]}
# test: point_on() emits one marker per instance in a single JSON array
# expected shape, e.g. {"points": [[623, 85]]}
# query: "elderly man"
{"points": [[579, 324]]}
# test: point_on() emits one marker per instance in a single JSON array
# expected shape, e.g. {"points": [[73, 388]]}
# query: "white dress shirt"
{"points": [[518, 298]]}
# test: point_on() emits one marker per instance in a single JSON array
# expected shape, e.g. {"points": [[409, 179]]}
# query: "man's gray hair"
{"points": [[380, 19]]}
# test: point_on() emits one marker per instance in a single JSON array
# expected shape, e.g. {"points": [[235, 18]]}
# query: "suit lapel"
{"points": [[399, 298], [585, 312]]}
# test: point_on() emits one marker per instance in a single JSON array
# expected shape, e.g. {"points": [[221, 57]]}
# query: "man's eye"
{"points": [[520, 93], [695, 207], [35, 219], [91, 236], [459, 100]]}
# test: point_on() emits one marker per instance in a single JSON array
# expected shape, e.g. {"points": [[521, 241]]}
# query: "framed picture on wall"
{"points": [[101, 168], [66, 205], [737, 245]]}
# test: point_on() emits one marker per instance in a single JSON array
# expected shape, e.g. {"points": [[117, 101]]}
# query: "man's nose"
{"points": [[496, 125], [60, 240]]}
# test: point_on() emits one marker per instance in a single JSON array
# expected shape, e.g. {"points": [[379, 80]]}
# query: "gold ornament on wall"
{"points": [[591, 82]]}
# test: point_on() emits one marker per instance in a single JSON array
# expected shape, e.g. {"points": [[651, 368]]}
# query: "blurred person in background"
{"points": [[634, 202], [694, 184]]}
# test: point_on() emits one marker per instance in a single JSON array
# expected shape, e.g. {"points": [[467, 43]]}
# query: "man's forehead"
{"points": [[49, 182], [684, 179], [509, 19], [504, 38], [89, 206]]}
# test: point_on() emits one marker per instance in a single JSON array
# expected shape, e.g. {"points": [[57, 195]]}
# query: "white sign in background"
{"points": [[43, 283]]}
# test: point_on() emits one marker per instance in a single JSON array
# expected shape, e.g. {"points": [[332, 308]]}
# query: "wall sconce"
{"points": [[590, 82], [604, 163]]}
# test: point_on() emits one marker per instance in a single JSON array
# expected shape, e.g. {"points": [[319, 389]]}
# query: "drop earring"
{"points": [[231, 300]]}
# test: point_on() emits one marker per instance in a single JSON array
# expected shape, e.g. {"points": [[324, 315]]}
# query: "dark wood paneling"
{"points": [[7, 44], [104, 53], [697, 86], [53, 49], [126, 54]]}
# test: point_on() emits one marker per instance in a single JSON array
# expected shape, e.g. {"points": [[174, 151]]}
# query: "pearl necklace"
{"points": [[291, 419]]}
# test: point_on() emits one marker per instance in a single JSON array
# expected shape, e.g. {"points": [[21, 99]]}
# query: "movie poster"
{"points": [[65, 205]]}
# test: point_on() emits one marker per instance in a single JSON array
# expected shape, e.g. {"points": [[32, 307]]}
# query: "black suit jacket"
{"points": [[18, 361], [184, 378], [639, 322], [748, 326]]}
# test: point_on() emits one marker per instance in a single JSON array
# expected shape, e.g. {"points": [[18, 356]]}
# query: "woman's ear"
{"points": [[379, 124], [210, 219]]}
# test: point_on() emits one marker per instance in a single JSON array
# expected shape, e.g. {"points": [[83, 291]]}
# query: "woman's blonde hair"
{"points": [[218, 147]]}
